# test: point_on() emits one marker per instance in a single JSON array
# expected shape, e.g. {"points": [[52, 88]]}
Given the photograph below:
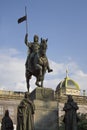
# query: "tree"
{"points": [[82, 124], [82, 121]]}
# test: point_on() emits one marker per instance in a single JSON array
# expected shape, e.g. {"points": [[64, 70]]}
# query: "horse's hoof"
{"points": [[38, 84]]}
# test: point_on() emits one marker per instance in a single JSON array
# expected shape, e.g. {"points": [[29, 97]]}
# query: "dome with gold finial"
{"points": [[68, 86]]}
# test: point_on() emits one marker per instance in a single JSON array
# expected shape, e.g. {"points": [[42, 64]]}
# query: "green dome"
{"points": [[68, 83]]}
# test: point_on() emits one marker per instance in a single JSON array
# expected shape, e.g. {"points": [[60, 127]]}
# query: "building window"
{"points": [[1, 110]]}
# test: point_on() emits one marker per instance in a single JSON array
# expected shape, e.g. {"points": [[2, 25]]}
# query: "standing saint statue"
{"points": [[7, 123], [70, 118], [25, 114]]}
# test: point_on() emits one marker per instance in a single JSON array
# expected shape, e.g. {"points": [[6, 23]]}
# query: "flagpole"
{"points": [[26, 20]]}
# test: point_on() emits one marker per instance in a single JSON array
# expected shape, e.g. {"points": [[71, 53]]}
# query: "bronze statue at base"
{"points": [[7, 123], [70, 118], [25, 114]]}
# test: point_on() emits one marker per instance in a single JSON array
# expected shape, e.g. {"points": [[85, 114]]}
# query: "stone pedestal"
{"points": [[42, 94], [46, 109]]}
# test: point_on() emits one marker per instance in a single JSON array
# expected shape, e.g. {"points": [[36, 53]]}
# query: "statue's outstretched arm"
{"points": [[26, 39]]}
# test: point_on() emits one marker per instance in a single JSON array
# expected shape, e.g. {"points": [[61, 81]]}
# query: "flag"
{"points": [[22, 19]]}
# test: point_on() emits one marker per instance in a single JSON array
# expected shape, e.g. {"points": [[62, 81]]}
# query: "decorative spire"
{"points": [[66, 73]]}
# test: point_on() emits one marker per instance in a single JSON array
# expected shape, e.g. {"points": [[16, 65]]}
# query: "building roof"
{"points": [[68, 83]]}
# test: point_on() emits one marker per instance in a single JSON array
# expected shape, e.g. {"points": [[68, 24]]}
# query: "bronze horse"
{"points": [[38, 66]]}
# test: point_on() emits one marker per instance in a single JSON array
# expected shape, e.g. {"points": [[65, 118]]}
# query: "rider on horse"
{"points": [[37, 62], [33, 48]]}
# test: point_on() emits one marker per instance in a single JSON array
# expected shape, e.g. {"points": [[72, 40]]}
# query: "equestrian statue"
{"points": [[37, 62]]}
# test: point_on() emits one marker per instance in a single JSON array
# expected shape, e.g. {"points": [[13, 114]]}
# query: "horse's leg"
{"points": [[39, 75], [28, 85], [39, 68], [43, 74], [42, 80], [42, 83], [28, 77], [37, 82]]}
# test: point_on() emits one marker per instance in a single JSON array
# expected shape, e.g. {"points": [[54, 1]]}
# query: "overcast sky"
{"points": [[63, 22]]}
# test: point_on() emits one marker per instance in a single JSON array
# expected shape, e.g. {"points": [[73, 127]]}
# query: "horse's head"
{"points": [[43, 46]]}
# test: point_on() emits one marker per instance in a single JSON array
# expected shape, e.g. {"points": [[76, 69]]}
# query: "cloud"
{"points": [[12, 72]]}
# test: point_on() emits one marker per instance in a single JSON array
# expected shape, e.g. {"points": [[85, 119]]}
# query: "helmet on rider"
{"points": [[36, 38]]}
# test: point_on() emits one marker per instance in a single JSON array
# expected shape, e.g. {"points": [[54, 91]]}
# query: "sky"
{"points": [[63, 22]]}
